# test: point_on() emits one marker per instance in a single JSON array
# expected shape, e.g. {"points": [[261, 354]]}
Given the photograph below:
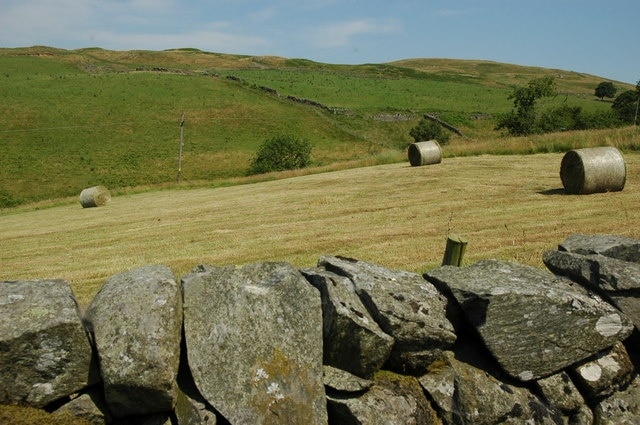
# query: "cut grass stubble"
{"points": [[508, 207]]}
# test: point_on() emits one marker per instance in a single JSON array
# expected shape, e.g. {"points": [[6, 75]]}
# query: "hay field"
{"points": [[508, 207]]}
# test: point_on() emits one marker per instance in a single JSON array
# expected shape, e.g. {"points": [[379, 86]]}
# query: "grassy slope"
{"points": [[73, 119]]}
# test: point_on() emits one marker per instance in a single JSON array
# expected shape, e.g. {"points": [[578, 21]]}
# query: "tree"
{"points": [[429, 130], [284, 152], [521, 120], [606, 89], [625, 105]]}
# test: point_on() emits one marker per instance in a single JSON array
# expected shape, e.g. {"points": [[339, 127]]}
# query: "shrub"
{"points": [[625, 105], [429, 130], [601, 119], [521, 120], [516, 124], [562, 118], [281, 153], [565, 118], [7, 200]]}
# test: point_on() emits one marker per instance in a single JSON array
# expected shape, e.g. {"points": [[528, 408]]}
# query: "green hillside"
{"points": [[74, 119]]}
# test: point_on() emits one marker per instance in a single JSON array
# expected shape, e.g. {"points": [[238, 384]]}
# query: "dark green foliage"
{"points": [[521, 121], [606, 89], [604, 119], [516, 124], [562, 118], [7, 200], [625, 106], [281, 153], [526, 119], [566, 117], [429, 130]]}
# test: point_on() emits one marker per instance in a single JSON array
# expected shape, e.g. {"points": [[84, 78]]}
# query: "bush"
{"points": [[522, 119], [516, 124], [281, 153], [7, 200], [601, 119], [565, 118], [625, 105], [429, 130]]}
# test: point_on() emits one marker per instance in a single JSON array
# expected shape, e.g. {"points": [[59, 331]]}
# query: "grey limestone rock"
{"points": [[254, 342], [532, 322], [560, 391], [192, 411], [465, 394], [353, 341], [343, 381], [392, 400], [619, 247], [45, 353], [136, 321], [621, 408], [617, 280], [604, 373], [89, 406], [595, 271], [405, 306]]}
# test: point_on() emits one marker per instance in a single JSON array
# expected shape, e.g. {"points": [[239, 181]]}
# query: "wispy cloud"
{"points": [[445, 13], [262, 15], [216, 37], [341, 33], [42, 19]]}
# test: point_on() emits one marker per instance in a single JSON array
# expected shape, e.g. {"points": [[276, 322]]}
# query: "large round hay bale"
{"points": [[425, 153], [593, 170], [96, 196]]}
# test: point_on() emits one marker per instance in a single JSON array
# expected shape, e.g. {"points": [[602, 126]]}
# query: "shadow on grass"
{"points": [[558, 191]]}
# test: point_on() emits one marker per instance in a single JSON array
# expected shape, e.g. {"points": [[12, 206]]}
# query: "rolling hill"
{"points": [[74, 119]]}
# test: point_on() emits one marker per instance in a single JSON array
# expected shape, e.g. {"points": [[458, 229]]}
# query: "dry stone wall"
{"points": [[345, 342]]}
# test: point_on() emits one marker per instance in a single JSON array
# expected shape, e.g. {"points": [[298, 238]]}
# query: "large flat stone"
{"points": [[531, 321], [254, 343], [136, 320]]}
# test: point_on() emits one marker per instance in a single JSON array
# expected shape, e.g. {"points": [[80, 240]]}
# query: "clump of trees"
{"points": [[606, 89], [280, 153], [429, 130], [627, 104], [526, 118], [521, 121]]}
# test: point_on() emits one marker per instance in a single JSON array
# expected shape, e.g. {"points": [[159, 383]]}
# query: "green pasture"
{"points": [[74, 119]]}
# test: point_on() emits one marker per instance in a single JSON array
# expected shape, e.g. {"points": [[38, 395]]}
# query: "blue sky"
{"points": [[593, 37]]}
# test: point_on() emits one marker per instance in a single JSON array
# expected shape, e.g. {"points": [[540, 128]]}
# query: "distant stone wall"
{"points": [[343, 342]]}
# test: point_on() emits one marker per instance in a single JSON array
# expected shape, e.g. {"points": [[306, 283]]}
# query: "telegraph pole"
{"points": [[181, 143], [635, 119]]}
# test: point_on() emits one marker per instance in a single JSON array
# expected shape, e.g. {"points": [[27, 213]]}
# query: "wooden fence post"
{"points": [[456, 245]]}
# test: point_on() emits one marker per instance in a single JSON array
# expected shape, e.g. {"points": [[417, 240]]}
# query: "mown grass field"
{"points": [[509, 207]]}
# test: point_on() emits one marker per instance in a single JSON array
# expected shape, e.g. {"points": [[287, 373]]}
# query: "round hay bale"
{"points": [[425, 153], [96, 196], [593, 170]]}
